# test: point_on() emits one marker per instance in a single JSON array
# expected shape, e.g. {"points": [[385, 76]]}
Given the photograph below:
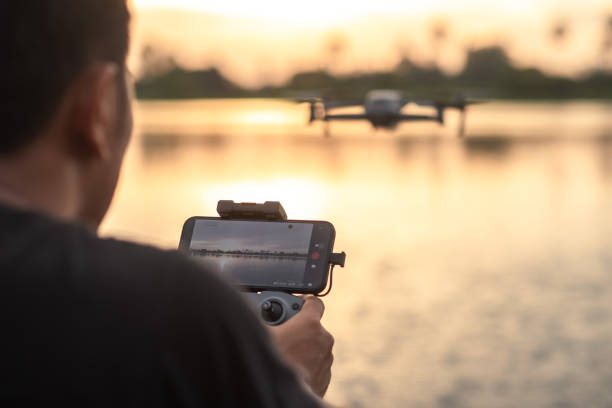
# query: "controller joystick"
{"points": [[271, 311], [275, 307]]}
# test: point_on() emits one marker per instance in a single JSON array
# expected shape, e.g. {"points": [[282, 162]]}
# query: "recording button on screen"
{"points": [[315, 256]]}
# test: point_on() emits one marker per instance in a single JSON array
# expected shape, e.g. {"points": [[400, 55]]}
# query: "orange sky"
{"points": [[266, 41]]}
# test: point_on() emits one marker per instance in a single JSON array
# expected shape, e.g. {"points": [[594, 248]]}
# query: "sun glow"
{"points": [[312, 13], [338, 10], [265, 42], [325, 13]]}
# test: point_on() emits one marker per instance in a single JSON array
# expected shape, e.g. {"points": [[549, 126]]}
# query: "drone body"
{"points": [[383, 109]]}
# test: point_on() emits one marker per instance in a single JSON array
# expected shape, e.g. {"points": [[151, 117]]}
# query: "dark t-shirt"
{"points": [[97, 322]]}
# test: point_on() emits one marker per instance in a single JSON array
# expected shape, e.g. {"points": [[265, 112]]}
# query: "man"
{"points": [[101, 322]]}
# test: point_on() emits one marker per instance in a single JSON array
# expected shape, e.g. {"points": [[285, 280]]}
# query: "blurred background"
{"points": [[479, 268]]}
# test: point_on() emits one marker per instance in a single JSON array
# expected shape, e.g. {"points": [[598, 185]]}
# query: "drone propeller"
{"points": [[314, 103], [307, 100], [460, 103], [313, 113], [461, 130]]}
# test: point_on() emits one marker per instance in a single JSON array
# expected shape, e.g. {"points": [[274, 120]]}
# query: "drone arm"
{"points": [[344, 117], [342, 104], [418, 102], [313, 113], [423, 118]]}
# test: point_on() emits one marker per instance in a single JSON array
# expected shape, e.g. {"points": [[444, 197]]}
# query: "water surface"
{"points": [[479, 270]]}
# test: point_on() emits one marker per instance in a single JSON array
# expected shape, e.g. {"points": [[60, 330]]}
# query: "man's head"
{"points": [[64, 93]]}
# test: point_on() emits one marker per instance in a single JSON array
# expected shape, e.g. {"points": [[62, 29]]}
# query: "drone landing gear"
{"points": [[326, 129], [461, 130]]}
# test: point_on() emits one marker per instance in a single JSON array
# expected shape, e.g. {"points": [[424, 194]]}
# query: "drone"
{"points": [[383, 109]]}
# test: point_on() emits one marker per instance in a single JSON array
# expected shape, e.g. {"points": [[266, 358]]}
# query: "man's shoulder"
{"points": [[53, 251], [181, 292], [188, 298], [112, 256], [125, 255], [142, 265], [52, 243]]}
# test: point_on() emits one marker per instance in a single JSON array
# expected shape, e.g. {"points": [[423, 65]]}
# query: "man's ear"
{"points": [[96, 110]]}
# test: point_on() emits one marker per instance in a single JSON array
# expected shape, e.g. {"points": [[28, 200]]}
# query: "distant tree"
{"points": [[311, 80], [439, 32], [179, 83], [486, 65], [336, 44], [560, 32], [411, 74], [155, 62]]}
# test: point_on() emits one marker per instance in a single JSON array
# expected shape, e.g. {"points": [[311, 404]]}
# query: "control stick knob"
{"points": [[271, 311]]}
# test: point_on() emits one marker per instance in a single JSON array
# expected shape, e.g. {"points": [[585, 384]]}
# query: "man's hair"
{"points": [[44, 46]]}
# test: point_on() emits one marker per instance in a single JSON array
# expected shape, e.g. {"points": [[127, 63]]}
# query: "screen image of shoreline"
{"points": [[255, 253]]}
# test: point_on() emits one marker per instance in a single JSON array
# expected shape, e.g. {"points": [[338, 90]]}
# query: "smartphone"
{"points": [[287, 256]]}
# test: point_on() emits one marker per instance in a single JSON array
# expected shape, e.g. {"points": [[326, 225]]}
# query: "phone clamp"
{"points": [[268, 211]]}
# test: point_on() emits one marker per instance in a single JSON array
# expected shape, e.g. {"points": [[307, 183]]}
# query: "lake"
{"points": [[479, 269]]}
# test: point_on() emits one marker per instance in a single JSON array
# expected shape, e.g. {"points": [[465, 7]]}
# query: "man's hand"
{"points": [[307, 346]]}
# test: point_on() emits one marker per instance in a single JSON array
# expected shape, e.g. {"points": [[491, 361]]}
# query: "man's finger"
{"points": [[314, 305]]}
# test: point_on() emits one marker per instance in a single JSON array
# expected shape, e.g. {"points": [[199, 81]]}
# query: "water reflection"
{"points": [[156, 145], [605, 154], [479, 268], [494, 147]]}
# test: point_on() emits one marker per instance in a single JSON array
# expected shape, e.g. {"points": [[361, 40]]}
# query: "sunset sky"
{"points": [[262, 42]]}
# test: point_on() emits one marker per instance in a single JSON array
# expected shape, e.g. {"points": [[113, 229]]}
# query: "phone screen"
{"points": [[264, 254]]}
